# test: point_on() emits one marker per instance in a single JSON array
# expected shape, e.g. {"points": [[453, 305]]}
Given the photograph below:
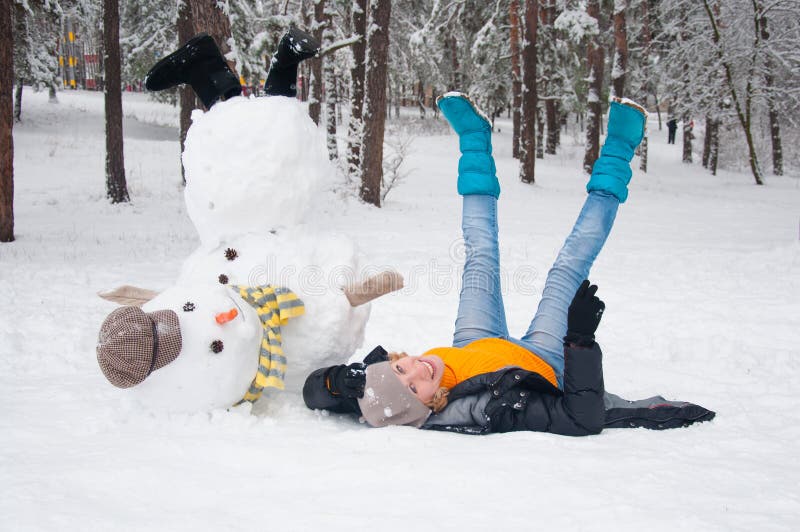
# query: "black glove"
{"points": [[584, 315], [347, 381]]}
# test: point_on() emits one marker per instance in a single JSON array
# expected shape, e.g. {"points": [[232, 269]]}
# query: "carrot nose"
{"points": [[225, 317]]}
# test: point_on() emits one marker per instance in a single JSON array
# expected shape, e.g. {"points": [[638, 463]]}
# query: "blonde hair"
{"points": [[439, 399]]}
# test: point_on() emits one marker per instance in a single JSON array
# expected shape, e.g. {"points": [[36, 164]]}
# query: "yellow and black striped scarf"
{"points": [[274, 305]]}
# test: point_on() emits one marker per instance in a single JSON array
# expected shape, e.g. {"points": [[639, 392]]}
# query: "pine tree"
{"points": [[742, 100], [595, 60], [356, 125], [377, 55], [148, 31], [329, 82], [620, 63], [551, 84], [769, 79], [516, 75], [6, 124], [116, 187], [35, 22], [316, 81], [186, 96], [529, 94]]}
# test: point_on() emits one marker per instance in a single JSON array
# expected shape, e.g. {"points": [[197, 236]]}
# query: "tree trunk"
{"points": [[775, 134], [356, 127], [116, 188], [421, 98], [713, 147], [645, 39], [397, 101], [455, 67], [539, 133], [18, 101], [595, 60], [562, 122], [329, 77], [643, 154], [516, 77], [188, 100], [549, 85], [207, 16], [6, 123], [377, 58], [527, 147], [620, 50], [688, 135], [315, 83], [552, 126], [707, 141], [769, 78]]}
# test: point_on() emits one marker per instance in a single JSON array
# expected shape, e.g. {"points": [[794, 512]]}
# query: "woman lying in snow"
{"points": [[549, 380]]}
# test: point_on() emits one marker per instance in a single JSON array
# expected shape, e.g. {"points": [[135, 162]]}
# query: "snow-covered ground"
{"points": [[701, 278]]}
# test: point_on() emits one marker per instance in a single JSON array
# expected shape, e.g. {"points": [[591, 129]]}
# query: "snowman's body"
{"points": [[314, 267], [256, 168]]}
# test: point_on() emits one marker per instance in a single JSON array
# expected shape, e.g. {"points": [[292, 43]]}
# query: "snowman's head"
{"points": [[219, 337], [252, 165]]}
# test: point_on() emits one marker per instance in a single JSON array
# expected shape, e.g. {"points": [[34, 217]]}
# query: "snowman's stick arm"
{"points": [[340, 44], [373, 287]]}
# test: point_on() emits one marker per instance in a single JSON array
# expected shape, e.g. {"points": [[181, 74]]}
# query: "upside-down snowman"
{"points": [[269, 294]]}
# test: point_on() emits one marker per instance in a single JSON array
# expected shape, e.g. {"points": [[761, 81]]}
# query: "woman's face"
{"points": [[421, 375]]}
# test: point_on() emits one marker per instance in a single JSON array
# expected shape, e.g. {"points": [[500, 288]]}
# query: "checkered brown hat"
{"points": [[133, 343]]}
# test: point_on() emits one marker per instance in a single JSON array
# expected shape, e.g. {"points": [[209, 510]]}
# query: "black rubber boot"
{"points": [[295, 46], [200, 64]]}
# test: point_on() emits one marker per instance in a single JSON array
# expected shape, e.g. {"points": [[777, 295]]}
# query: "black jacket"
{"points": [[513, 399]]}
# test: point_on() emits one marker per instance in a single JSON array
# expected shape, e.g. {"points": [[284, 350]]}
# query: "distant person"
{"points": [[672, 127], [550, 379]]}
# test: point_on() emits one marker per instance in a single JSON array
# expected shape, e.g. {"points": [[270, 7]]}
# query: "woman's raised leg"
{"points": [[480, 309], [607, 189], [549, 326]]}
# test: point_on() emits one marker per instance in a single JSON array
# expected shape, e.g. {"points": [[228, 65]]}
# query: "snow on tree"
{"points": [[741, 66], [147, 32], [36, 24]]}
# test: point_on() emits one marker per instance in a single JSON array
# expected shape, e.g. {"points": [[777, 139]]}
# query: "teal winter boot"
{"points": [[476, 170], [612, 170]]}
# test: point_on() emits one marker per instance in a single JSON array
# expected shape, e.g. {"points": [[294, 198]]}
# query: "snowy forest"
{"points": [[175, 276], [731, 65]]}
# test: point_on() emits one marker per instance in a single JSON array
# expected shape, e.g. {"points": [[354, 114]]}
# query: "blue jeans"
{"points": [[481, 313]]}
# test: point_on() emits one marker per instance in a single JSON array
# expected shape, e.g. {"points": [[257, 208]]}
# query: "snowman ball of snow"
{"points": [[258, 186], [317, 267], [252, 164], [198, 347]]}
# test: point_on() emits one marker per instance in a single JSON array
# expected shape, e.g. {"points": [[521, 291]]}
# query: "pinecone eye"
{"points": [[231, 254], [223, 279], [217, 346]]}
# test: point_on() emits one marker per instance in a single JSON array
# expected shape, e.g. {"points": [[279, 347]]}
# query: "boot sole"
{"points": [[463, 96]]}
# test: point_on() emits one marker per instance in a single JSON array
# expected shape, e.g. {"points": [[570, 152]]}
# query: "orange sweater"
{"points": [[487, 355]]}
